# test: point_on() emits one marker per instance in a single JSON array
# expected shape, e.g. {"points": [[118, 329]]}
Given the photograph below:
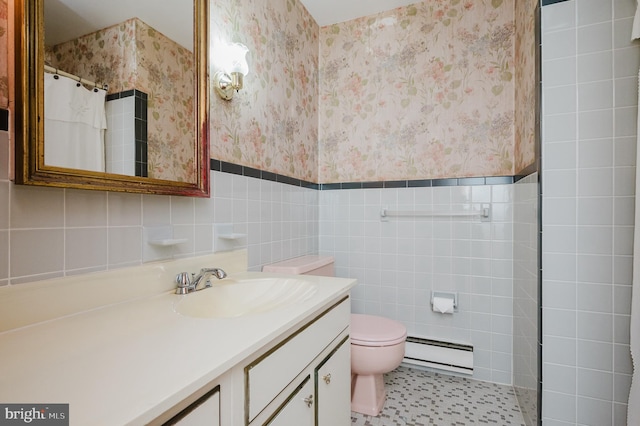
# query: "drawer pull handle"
{"points": [[308, 400], [327, 378]]}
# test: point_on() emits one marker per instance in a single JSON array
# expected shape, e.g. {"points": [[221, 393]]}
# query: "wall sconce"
{"points": [[233, 66]]}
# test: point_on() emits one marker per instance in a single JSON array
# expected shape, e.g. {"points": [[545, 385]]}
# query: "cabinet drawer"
{"points": [[267, 376]]}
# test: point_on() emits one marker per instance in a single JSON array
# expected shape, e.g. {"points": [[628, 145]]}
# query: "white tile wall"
{"points": [[400, 261], [49, 232], [589, 129], [120, 147], [526, 296]]}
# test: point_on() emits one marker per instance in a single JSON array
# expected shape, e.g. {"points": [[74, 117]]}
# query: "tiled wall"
{"points": [[49, 232], [120, 148], [281, 221], [526, 297], [400, 261], [126, 137], [590, 71]]}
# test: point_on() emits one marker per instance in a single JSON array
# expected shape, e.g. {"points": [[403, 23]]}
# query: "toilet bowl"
{"points": [[377, 347], [377, 343]]}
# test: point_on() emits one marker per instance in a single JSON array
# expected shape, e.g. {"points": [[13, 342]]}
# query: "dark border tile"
{"points": [[421, 183], [269, 176], [548, 2], [142, 139], [352, 185], [330, 186], [372, 185], [4, 119], [309, 185], [471, 181], [235, 169], [444, 182], [395, 184], [223, 166], [288, 180], [251, 172], [499, 180]]}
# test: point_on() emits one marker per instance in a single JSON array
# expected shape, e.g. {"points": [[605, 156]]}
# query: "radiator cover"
{"points": [[438, 354]]}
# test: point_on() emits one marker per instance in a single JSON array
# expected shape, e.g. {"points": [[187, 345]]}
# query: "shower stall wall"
{"points": [[589, 88]]}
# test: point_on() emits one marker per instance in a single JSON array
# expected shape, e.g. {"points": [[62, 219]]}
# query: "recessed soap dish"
{"points": [[168, 242], [232, 236]]}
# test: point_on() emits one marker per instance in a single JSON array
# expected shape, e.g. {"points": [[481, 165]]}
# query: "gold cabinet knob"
{"points": [[308, 400]]}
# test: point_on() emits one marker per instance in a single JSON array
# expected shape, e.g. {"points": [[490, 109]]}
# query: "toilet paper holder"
{"points": [[446, 295]]}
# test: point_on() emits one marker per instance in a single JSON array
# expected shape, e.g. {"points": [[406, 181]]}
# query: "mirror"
{"points": [[147, 130]]}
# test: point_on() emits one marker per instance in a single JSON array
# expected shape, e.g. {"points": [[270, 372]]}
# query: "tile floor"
{"points": [[416, 397]]}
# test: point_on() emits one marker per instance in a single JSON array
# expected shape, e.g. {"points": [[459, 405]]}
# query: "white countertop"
{"points": [[128, 362]]}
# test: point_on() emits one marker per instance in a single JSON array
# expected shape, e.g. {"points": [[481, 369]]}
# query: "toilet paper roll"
{"points": [[443, 305]]}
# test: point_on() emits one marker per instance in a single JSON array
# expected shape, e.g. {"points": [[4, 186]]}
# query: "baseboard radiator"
{"points": [[439, 354]]}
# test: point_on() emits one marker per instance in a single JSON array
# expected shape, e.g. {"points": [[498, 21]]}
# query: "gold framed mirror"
{"points": [[166, 136]]}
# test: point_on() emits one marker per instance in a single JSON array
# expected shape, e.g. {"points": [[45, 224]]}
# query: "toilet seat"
{"points": [[371, 330]]}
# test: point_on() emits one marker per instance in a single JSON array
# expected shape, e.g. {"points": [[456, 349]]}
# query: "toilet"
{"points": [[377, 343]]}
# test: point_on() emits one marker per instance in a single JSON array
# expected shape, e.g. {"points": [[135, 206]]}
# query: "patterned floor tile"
{"points": [[419, 398]]}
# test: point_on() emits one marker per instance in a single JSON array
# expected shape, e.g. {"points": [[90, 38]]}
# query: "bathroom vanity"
{"points": [[114, 347], [304, 379]]}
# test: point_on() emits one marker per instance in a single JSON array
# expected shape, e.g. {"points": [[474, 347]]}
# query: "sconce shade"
{"points": [[238, 59], [232, 66]]}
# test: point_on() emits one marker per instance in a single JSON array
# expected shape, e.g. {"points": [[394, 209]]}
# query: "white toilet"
{"points": [[377, 343]]}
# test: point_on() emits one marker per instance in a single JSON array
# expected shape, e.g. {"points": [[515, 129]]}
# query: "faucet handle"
{"points": [[219, 273], [183, 279]]}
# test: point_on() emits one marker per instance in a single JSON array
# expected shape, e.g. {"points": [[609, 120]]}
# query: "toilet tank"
{"points": [[304, 265]]}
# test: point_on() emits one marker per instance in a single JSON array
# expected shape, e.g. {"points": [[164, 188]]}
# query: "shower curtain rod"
{"points": [[81, 80]]}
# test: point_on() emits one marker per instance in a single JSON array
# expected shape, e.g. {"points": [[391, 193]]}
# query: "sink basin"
{"points": [[230, 298]]}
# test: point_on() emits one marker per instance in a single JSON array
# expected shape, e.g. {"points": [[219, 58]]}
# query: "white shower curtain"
{"points": [[74, 125], [633, 407]]}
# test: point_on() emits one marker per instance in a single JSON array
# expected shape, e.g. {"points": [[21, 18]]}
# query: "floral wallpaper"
{"points": [[271, 124], [132, 55], [526, 87], [422, 91], [4, 56]]}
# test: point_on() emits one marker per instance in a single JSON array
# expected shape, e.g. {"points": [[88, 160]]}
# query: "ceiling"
{"points": [[69, 19], [327, 12]]}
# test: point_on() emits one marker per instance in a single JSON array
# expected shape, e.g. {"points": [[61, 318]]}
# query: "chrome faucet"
{"points": [[188, 283]]}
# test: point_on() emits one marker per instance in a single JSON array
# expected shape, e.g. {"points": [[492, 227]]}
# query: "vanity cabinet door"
{"points": [[333, 387], [267, 376], [299, 408]]}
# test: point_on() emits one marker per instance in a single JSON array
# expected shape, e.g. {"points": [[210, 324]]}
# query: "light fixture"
{"points": [[232, 67]]}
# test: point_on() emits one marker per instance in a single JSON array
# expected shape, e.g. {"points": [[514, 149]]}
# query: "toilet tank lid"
{"points": [[299, 265]]}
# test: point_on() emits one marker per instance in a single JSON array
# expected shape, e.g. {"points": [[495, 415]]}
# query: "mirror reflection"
{"points": [[119, 88]]}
